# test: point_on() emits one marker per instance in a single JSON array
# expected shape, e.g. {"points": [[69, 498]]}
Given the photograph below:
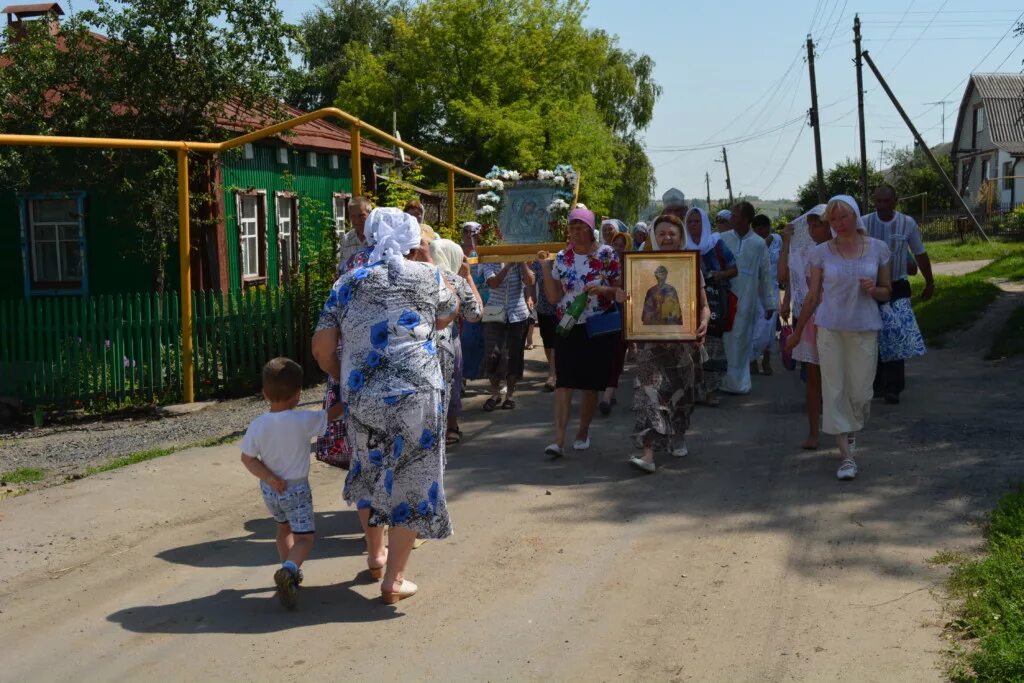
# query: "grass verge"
{"points": [[961, 299], [989, 593], [24, 475], [153, 453], [1010, 340], [974, 249]]}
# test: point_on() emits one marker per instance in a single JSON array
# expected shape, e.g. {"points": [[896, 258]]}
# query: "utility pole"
{"points": [[924, 148], [707, 184], [814, 121], [728, 178], [943, 103], [860, 116], [881, 151]]}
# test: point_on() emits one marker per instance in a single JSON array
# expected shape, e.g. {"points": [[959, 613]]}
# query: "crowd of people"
{"points": [[409, 322]]}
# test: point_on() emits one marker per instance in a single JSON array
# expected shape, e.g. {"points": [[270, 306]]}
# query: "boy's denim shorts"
{"points": [[294, 506]]}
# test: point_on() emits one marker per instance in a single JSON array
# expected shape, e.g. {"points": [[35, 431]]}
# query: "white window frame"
{"points": [[311, 159], [282, 155], [287, 239], [252, 232], [248, 152], [33, 241], [340, 220]]}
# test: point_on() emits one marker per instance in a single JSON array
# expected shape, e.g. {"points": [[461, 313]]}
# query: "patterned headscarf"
{"points": [[801, 230], [392, 233]]}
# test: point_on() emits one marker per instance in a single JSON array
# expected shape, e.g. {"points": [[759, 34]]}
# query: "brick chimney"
{"points": [[19, 15]]}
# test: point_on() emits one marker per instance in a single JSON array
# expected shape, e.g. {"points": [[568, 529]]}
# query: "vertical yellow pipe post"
{"points": [[357, 162], [451, 200], [185, 267]]}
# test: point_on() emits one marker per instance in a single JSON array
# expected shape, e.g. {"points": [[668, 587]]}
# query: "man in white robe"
{"points": [[751, 286]]}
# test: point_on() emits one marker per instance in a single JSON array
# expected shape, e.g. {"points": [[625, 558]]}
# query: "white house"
{"points": [[988, 141]]}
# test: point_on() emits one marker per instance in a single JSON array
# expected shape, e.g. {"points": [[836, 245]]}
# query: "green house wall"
{"points": [[265, 172]]}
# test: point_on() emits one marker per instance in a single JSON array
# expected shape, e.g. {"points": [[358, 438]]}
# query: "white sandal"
{"points": [[847, 470], [406, 590]]}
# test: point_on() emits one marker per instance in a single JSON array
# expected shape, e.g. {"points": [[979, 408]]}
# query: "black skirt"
{"points": [[582, 362]]}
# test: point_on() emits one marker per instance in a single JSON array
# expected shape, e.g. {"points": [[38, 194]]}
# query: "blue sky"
{"points": [[736, 69]]}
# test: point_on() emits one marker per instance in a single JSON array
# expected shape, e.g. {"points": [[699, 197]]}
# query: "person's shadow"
{"points": [[338, 534], [254, 610]]}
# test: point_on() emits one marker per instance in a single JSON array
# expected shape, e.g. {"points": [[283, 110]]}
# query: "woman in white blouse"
{"points": [[849, 277]]}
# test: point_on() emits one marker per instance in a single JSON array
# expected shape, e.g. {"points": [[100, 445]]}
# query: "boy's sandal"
{"points": [[509, 404], [490, 404]]}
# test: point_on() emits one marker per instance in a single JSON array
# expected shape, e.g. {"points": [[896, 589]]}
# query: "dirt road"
{"points": [[746, 561]]}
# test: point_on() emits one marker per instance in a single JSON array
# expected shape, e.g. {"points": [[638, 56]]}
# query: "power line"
{"points": [[835, 27], [799, 134], [900, 60], [730, 142], [897, 26]]}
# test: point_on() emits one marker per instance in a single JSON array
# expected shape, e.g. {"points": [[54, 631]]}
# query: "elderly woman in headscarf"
{"points": [[472, 333], [387, 313], [798, 239], [448, 256], [849, 277], [639, 235], [666, 379], [723, 220], [718, 267]]}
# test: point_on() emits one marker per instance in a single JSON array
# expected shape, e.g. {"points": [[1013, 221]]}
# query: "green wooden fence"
{"points": [[109, 351]]}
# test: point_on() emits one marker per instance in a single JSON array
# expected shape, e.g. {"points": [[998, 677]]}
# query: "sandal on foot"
{"points": [[605, 407], [509, 404], [490, 404], [376, 573], [452, 437], [406, 590]]}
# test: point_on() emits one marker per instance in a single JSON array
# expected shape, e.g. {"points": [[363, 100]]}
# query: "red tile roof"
{"points": [[38, 8]]}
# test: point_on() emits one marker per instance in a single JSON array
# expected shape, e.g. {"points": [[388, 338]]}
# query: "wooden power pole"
{"points": [[707, 185], [728, 178], [814, 121], [860, 116]]}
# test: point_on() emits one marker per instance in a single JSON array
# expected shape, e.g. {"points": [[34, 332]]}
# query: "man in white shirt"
{"points": [[751, 286], [901, 233], [359, 209]]}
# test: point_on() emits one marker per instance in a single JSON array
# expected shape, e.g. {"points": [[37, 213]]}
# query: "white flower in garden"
{"points": [[559, 180], [485, 210]]}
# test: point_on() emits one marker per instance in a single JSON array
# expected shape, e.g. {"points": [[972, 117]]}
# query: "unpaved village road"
{"points": [[746, 561]]}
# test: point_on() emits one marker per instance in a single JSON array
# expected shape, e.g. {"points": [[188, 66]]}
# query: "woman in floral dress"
{"points": [[667, 383], [386, 313]]}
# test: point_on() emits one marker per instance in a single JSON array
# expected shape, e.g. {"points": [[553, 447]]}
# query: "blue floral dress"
{"points": [[393, 392]]}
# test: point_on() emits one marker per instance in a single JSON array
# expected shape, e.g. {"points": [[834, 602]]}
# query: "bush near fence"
{"points": [[103, 352], [950, 225]]}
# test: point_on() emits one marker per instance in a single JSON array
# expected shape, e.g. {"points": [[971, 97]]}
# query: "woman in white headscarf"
{"points": [[387, 313], [849, 278], [718, 266], [450, 258], [798, 238]]}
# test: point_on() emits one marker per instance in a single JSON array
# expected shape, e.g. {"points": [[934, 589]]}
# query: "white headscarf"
{"points": [[392, 233], [852, 203], [615, 223], [801, 231], [708, 238], [447, 255]]}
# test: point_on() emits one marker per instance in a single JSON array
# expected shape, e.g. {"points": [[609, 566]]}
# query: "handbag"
{"points": [[723, 317], [787, 355], [333, 448], [493, 313], [609, 322], [900, 337]]}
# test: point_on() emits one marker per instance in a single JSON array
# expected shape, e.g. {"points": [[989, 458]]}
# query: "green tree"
{"points": [[517, 83], [912, 174], [843, 178], [167, 69]]}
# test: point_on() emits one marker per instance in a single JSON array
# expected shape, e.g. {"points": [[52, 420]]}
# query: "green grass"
{"points": [[131, 459], [1010, 340], [23, 475], [990, 601], [975, 249], [960, 300]]}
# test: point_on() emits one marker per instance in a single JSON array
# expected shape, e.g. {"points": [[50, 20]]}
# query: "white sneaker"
{"points": [[553, 451], [681, 451], [641, 464], [581, 444], [847, 470]]}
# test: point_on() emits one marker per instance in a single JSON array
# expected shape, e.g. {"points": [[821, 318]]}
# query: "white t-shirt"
{"points": [[844, 305], [281, 440]]}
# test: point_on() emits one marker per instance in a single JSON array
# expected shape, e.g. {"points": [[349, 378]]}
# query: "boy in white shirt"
{"points": [[276, 450]]}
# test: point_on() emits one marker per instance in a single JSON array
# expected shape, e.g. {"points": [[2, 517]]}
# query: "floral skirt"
{"points": [[665, 394]]}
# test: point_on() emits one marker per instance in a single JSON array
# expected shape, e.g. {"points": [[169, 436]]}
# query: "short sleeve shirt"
{"points": [[509, 293], [576, 271], [844, 305], [281, 440], [899, 234]]}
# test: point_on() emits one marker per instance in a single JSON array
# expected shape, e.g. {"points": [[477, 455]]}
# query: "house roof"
{"points": [[1002, 95], [36, 9]]}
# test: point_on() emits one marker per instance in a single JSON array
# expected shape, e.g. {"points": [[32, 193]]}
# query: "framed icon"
{"points": [[663, 290]]}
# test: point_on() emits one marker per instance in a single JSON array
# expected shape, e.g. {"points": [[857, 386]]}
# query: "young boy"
{"points": [[276, 450]]}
